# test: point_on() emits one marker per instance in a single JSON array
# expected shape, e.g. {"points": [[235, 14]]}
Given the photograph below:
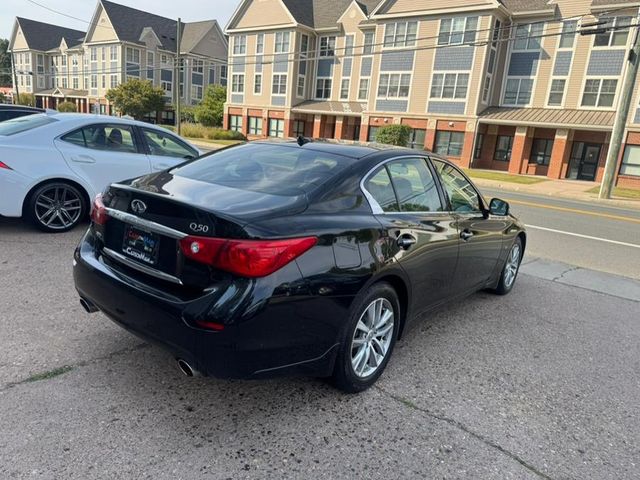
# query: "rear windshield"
{"points": [[286, 170], [22, 124]]}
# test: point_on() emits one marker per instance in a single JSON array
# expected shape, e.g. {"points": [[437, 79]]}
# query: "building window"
{"points": [[94, 81], [103, 53], [196, 92], [239, 44], [615, 35], [323, 88], [327, 46], [133, 55], [235, 123], [486, 88], [94, 55], [363, 89], [373, 132], [458, 30], [556, 94], [279, 85], [257, 84], [417, 138], [449, 85], [113, 81], [103, 83], [503, 148], [449, 143], [113, 53], [518, 91], [276, 127], [255, 126], [282, 42], [541, 151], [400, 34], [304, 44], [198, 66], [348, 45], [298, 128], [166, 86], [600, 93], [367, 48], [237, 83], [394, 85], [260, 43], [344, 89], [528, 36], [568, 36], [631, 161], [477, 151], [300, 86], [223, 72]]}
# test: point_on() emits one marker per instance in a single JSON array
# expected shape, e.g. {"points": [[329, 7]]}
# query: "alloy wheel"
{"points": [[372, 338], [511, 268], [58, 207]]}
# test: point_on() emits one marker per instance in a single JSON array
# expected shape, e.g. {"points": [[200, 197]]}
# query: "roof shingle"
{"points": [[44, 36]]}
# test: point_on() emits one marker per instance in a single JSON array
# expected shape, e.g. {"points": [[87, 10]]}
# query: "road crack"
{"points": [[569, 270], [460, 426], [69, 368]]}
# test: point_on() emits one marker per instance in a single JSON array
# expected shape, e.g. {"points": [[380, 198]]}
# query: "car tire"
{"points": [[56, 207], [364, 351], [510, 270]]}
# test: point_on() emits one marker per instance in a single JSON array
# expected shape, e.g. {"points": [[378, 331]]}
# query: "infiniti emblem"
{"points": [[138, 206]]}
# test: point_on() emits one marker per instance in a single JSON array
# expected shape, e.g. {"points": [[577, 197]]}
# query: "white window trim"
{"points": [[315, 89], [304, 88], [504, 91], [342, 80], [275, 42], [260, 35], [394, 46], [387, 97], [529, 26], [368, 79], [320, 49], [255, 84], [630, 34], [600, 77], [575, 37], [286, 84], [126, 56], [452, 99], [564, 94], [464, 31], [236, 45], [233, 83]]}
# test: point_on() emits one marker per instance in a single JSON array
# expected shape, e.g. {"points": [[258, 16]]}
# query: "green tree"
{"points": [[68, 107], [137, 98], [211, 109], [27, 99], [5, 64], [394, 135]]}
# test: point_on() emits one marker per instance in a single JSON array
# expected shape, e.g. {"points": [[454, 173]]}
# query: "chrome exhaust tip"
{"points": [[187, 369], [88, 306]]}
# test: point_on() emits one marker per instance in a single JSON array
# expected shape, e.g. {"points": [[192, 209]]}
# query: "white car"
{"points": [[53, 165]]}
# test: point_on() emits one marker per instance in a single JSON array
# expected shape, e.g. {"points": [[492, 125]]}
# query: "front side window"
{"points": [[279, 85], [449, 85], [616, 33], [631, 161], [518, 91], [449, 144], [282, 42], [237, 83], [541, 151], [556, 94], [599, 92], [240, 45], [457, 30], [166, 145], [503, 148], [400, 34], [394, 85], [462, 195]]}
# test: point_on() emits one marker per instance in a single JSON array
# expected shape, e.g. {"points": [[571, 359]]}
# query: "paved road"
{"points": [[589, 235], [541, 384]]}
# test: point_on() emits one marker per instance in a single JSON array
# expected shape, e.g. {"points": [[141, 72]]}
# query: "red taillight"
{"points": [[246, 258], [99, 213], [4, 165]]}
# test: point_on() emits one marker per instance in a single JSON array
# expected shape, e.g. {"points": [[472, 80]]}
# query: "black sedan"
{"points": [[310, 258]]}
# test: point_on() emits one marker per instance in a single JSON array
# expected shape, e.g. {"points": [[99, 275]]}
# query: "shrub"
{"points": [[398, 135], [27, 99], [211, 109], [136, 98], [195, 130], [68, 107]]}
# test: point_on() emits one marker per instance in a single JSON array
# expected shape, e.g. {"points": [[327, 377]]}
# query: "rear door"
{"points": [[407, 202], [104, 153], [480, 233], [164, 149]]}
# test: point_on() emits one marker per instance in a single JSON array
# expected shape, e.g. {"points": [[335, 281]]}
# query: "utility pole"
{"points": [[620, 122], [178, 69], [15, 80]]}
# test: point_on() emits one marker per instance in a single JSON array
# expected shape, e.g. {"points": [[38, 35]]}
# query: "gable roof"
{"points": [[44, 36], [524, 6], [193, 32]]}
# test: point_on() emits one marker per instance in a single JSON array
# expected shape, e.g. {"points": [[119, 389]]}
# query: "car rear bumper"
{"points": [[287, 334], [14, 187]]}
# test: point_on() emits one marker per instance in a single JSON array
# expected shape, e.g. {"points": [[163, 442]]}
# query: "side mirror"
{"points": [[498, 207]]}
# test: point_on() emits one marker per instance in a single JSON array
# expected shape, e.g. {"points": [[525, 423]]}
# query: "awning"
{"points": [[330, 107], [549, 117]]}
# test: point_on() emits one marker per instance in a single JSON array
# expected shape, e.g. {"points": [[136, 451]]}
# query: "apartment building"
{"points": [[508, 85], [59, 64]]}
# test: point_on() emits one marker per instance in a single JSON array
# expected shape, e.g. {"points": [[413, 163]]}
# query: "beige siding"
{"points": [[103, 30], [476, 78], [264, 13], [409, 6], [19, 43]]}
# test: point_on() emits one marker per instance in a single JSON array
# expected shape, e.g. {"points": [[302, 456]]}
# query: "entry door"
{"points": [[589, 163]]}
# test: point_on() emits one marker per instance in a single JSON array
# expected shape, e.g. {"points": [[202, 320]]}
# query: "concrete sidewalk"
{"points": [[572, 189]]}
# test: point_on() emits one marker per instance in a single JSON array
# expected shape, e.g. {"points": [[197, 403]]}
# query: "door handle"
{"points": [[405, 241], [82, 159], [466, 234]]}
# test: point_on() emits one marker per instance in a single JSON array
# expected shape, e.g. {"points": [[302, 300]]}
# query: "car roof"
{"points": [[10, 106], [91, 117]]}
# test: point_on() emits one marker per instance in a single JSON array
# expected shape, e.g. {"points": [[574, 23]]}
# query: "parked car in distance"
{"points": [[52, 165], [7, 112], [272, 259]]}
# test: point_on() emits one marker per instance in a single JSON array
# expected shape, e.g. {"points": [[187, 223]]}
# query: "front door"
{"points": [[584, 161]]}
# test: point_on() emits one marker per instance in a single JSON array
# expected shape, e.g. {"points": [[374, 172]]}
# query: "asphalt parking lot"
{"points": [[542, 383]]}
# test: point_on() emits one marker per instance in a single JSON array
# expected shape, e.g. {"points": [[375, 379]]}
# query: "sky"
{"points": [[188, 10]]}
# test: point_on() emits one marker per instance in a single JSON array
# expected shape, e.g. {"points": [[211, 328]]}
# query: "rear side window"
{"points": [[117, 138], [381, 189], [23, 124], [286, 170]]}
